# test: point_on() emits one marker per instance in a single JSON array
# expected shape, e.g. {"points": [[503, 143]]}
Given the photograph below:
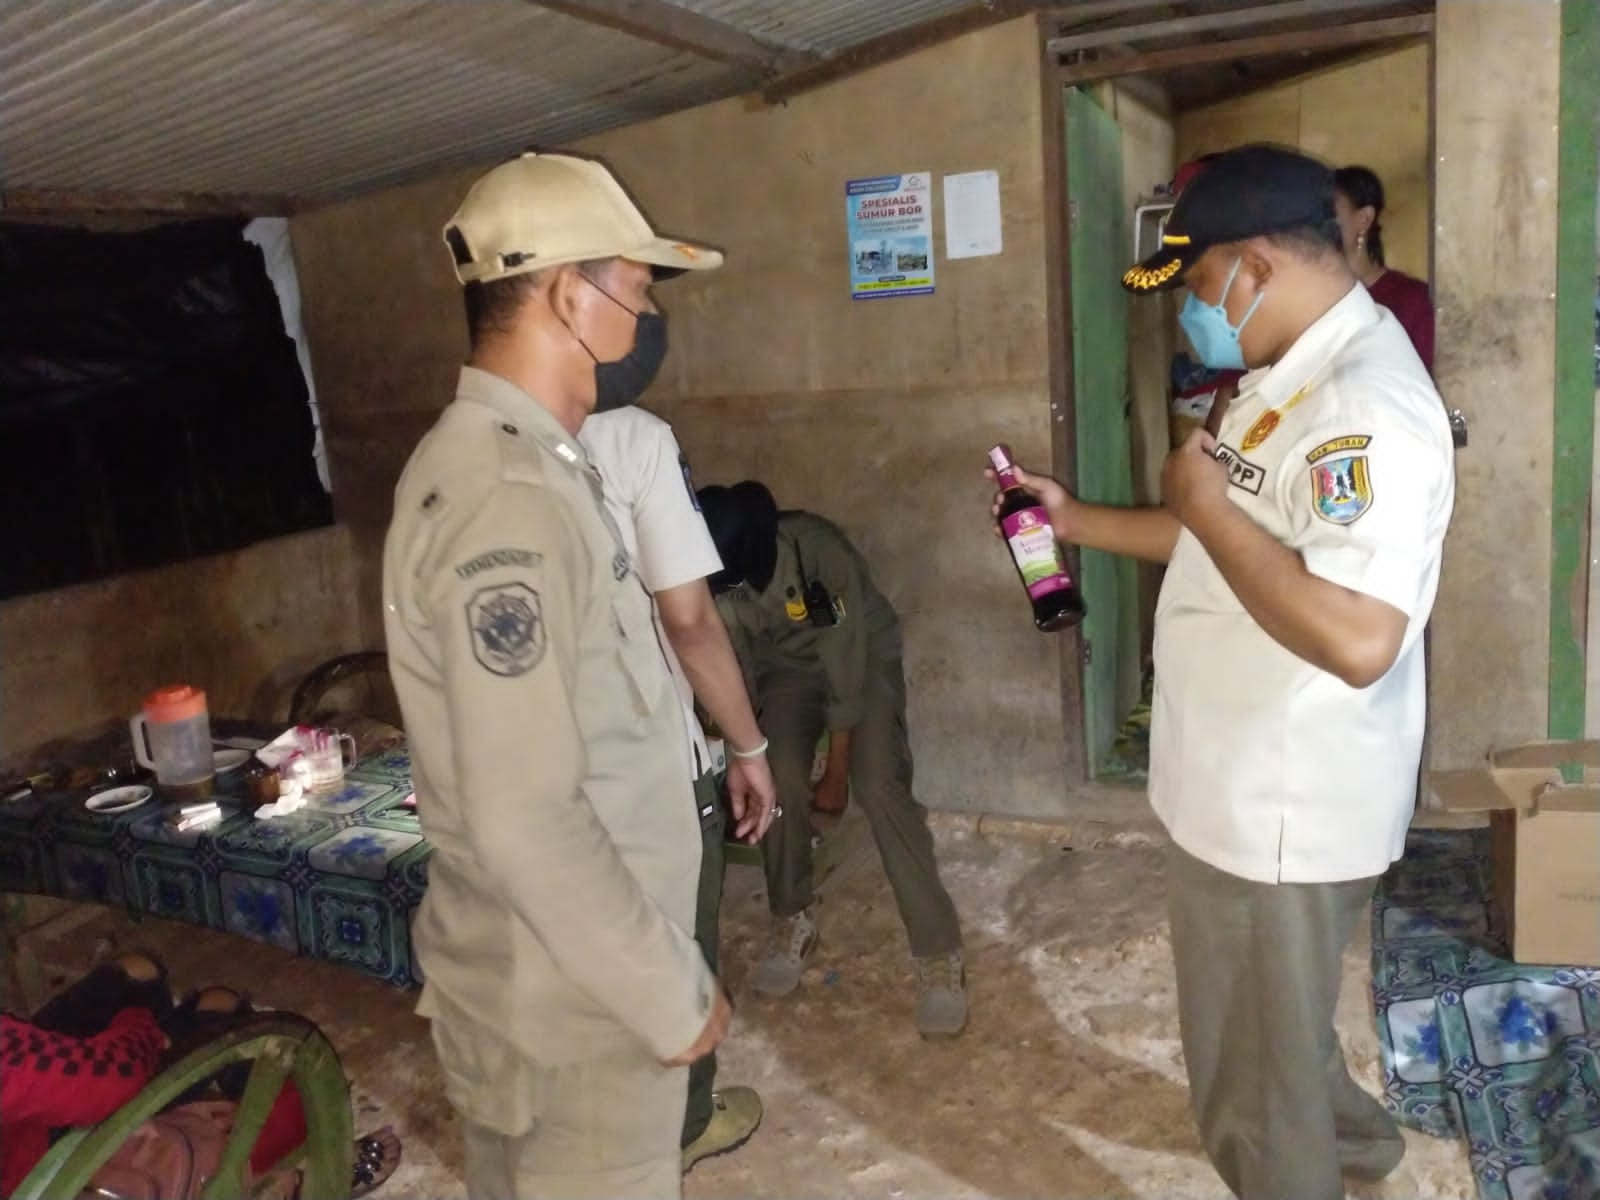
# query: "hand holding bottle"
{"points": [[1057, 502], [1026, 515]]}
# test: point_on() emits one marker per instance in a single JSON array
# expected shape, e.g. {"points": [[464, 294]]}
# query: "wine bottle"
{"points": [[1057, 603]]}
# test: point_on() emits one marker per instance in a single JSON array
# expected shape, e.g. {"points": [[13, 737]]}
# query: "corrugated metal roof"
{"points": [[320, 99], [826, 26]]}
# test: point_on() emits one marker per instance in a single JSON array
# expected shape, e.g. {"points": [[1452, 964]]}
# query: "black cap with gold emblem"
{"points": [[1244, 193]]}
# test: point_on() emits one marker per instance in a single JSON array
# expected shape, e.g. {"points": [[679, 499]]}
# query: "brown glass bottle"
{"points": [[1057, 603]]}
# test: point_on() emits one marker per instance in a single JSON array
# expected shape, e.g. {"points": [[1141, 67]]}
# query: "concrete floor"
{"points": [[1068, 1083]]}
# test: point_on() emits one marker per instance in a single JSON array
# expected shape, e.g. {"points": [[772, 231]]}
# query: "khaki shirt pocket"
{"points": [[640, 656], [486, 1080]]}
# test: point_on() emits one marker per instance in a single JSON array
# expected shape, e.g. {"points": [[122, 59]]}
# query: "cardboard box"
{"points": [[1543, 801]]}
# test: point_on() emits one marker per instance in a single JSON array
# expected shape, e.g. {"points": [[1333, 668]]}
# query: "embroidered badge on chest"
{"points": [[1264, 427], [507, 623], [1341, 488], [1241, 473]]}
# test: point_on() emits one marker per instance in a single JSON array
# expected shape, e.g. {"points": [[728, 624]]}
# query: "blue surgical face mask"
{"points": [[1214, 338]]}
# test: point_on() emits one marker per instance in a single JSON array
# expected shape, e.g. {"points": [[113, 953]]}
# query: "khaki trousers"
{"points": [[605, 1129], [1259, 967]]}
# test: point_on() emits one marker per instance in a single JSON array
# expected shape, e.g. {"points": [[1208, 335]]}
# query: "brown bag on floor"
{"points": [[173, 1156]]}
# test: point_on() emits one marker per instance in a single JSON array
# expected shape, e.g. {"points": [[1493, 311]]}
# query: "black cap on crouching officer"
{"points": [[1249, 192]]}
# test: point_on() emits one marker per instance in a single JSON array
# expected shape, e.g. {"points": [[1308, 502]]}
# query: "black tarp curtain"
{"points": [[152, 408]]}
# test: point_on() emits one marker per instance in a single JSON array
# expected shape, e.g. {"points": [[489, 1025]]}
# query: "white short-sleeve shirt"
{"points": [[649, 492], [1261, 764]]}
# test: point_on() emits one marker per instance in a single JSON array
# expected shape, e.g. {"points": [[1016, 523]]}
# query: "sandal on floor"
{"points": [[377, 1156]]}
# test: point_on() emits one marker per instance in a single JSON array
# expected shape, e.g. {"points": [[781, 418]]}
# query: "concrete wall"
{"points": [[1372, 112], [245, 627], [876, 414], [1495, 290]]}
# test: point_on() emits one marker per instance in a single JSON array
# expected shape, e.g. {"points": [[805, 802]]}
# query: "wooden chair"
{"points": [[352, 685]]}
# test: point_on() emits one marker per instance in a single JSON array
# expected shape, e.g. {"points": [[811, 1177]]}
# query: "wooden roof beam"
{"points": [[1236, 18], [1358, 33], [898, 44], [683, 29], [1090, 11], [22, 201]]}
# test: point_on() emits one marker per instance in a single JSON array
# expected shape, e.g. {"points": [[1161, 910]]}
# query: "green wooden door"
{"points": [[1099, 254]]}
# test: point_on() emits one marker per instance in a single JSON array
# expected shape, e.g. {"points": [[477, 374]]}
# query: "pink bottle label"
{"points": [[1033, 546]]}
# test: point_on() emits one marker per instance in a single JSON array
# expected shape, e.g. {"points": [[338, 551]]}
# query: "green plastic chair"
{"points": [[281, 1046]]}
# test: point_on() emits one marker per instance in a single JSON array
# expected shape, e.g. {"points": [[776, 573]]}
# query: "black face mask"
{"points": [[619, 384]]}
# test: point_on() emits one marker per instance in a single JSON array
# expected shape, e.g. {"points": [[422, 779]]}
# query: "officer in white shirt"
{"points": [[1302, 545], [650, 494]]}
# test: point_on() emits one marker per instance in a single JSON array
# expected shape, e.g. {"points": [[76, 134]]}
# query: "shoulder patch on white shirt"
{"points": [[688, 479], [1354, 441], [1341, 488]]}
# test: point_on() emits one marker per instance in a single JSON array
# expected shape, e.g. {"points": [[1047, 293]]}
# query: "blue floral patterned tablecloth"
{"points": [[1476, 1046], [337, 881]]}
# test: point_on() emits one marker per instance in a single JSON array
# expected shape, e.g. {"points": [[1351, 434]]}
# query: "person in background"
{"points": [[821, 648], [1358, 202], [560, 972], [1303, 545], [650, 494]]}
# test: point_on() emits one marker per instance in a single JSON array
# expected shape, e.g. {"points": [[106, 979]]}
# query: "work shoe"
{"points": [[941, 995], [735, 1115], [793, 940]]}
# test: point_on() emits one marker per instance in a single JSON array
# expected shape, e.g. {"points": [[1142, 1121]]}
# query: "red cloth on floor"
{"points": [[52, 1081], [49, 1080]]}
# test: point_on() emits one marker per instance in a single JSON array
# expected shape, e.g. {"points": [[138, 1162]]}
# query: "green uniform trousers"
{"points": [[707, 914], [1259, 967], [791, 711]]}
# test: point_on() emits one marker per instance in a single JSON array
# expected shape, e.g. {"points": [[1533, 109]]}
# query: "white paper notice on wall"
{"points": [[972, 214]]}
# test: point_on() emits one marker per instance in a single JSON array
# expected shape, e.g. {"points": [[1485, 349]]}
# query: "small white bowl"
{"points": [[118, 799]]}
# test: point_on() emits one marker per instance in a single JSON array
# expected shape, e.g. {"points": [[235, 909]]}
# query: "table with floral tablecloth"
{"points": [[338, 880]]}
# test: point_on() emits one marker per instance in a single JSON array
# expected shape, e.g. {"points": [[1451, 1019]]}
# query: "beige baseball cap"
{"points": [[542, 210]]}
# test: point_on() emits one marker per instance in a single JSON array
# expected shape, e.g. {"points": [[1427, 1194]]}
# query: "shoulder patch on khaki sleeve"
{"points": [[506, 557], [1341, 488], [1353, 441], [507, 629]]}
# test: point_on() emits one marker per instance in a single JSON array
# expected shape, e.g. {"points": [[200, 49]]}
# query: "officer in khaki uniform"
{"points": [[821, 650], [565, 988]]}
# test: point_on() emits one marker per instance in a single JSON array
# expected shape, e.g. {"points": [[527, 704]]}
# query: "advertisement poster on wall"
{"points": [[889, 221]]}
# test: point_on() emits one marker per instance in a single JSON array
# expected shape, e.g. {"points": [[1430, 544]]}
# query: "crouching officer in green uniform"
{"points": [[566, 992], [821, 651]]}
